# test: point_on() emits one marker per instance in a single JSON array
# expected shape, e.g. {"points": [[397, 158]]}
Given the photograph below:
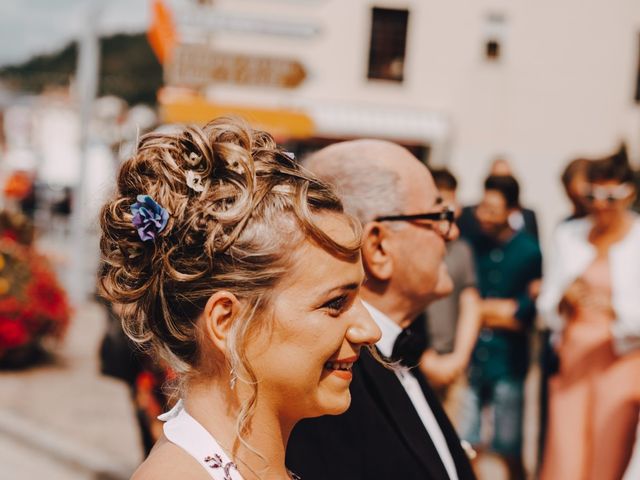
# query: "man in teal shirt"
{"points": [[508, 264]]}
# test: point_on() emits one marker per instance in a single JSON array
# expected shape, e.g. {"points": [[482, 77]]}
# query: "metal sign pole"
{"points": [[86, 89]]}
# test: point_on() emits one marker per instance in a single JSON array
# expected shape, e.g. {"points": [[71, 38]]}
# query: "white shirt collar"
{"points": [[390, 330]]}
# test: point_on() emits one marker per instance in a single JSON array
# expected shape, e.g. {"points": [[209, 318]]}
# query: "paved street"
{"points": [[66, 421]]}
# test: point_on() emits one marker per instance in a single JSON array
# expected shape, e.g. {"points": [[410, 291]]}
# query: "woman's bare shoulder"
{"points": [[167, 461]]}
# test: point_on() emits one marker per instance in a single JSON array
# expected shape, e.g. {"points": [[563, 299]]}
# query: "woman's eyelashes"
{"points": [[337, 305]]}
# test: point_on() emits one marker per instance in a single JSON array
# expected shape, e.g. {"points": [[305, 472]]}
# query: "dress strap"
{"points": [[183, 430]]}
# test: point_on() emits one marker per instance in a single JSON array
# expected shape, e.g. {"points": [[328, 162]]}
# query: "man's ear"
{"points": [[376, 256], [221, 310]]}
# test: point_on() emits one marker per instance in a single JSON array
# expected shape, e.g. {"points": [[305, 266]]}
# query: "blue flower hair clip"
{"points": [[149, 218]]}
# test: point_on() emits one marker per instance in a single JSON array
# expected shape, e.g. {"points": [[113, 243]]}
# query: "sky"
{"points": [[30, 27]]}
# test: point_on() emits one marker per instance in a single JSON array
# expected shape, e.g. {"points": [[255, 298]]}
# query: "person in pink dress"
{"points": [[590, 298]]}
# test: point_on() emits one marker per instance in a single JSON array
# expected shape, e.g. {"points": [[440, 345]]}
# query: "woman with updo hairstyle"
{"points": [[242, 272], [590, 299]]}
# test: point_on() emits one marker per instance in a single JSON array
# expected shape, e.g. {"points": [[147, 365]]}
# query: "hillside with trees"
{"points": [[128, 69]]}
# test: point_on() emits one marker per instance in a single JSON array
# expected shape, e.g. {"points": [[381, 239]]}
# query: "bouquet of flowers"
{"points": [[18, 185], [34, 311]]}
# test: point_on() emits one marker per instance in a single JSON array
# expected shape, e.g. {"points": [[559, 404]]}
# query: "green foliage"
{"points": [[128, 69]]}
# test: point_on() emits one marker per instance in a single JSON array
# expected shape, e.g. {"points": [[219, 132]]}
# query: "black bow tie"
{"points": [[410, 344]]}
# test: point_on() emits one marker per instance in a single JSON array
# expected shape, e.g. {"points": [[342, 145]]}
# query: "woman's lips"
{"points": [[344, 374], [341, 367]]}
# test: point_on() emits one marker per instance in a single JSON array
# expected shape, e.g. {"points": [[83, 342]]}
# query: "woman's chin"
{"points": [[339, 404], [336, 404], [602, 220]]}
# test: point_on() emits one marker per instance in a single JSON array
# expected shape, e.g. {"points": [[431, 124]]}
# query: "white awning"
{"points": [[346, 121]]}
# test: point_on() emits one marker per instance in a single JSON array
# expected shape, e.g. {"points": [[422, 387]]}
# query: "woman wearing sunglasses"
{"points": [[590, 298]]}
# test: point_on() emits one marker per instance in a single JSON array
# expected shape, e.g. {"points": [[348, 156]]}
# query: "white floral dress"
{"points": [[183, 430]]}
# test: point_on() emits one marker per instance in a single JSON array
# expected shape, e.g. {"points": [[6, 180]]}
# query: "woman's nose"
{"points": [[599, 204], [364, 330]]}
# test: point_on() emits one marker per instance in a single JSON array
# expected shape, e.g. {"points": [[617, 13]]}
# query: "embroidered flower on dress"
{"points": [[215, 461], [149, 218]]}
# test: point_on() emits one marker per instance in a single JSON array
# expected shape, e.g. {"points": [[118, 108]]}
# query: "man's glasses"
{"points": [[441, 221], [608, 194]]}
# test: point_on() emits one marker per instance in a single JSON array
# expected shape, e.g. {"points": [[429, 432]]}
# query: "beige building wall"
{"points": [[563, 86]]}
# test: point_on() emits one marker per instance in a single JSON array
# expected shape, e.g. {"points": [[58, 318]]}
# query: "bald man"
{"points": [[395, 427]]}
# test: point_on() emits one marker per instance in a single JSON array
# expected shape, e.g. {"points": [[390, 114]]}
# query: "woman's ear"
{"points": [[221, 310], [376, 256]]}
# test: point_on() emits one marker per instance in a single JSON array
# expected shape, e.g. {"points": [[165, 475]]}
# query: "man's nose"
{"points": [[454, 233]]}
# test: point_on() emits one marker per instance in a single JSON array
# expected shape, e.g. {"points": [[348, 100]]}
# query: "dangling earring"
{"points": [[233, 379]]}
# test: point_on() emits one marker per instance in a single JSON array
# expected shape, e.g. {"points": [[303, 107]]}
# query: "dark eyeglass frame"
{"points": [[446, 214]]}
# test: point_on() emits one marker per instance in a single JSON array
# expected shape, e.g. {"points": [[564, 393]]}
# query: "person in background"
{"points": [[508, 262], [590, 299], [500, 167], [636, 181], [395, 427], [453, 322], [243, 273], [574, 181], [520, 218], [121, 358]]}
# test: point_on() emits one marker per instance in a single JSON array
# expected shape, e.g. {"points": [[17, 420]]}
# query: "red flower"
{"points": [[12, 334], [9, 305], [46, 298], [18, 185], [33, 323], [33, 305], [9, 235]]}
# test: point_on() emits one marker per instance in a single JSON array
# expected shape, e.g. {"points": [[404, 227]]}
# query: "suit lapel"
{"points": [[396, 405], [463, 466]]}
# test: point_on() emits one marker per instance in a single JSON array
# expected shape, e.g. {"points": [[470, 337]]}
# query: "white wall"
{"points": [[563, 87]]}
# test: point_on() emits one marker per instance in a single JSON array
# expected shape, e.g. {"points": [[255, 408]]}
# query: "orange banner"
{"points": [[162, 33]]}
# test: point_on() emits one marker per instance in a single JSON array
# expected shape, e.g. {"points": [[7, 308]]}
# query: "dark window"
{"points": [[494, 34], [388, 44], [493, 50]]}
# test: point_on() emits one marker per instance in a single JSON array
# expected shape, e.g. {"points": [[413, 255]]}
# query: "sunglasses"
{"points": [[608, 194], [442, 220]]}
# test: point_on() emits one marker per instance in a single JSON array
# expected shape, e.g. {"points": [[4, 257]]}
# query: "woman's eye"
{"points": [[336, 305]]}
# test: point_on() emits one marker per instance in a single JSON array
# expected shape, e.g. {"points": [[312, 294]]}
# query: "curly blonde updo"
{"points": [[238, 206]]}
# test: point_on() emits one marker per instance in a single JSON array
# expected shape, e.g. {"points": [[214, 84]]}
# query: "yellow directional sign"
{"points": [[282, 123]]}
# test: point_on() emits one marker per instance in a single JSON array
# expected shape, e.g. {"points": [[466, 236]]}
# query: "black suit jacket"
{"points": [[380, 437]]}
